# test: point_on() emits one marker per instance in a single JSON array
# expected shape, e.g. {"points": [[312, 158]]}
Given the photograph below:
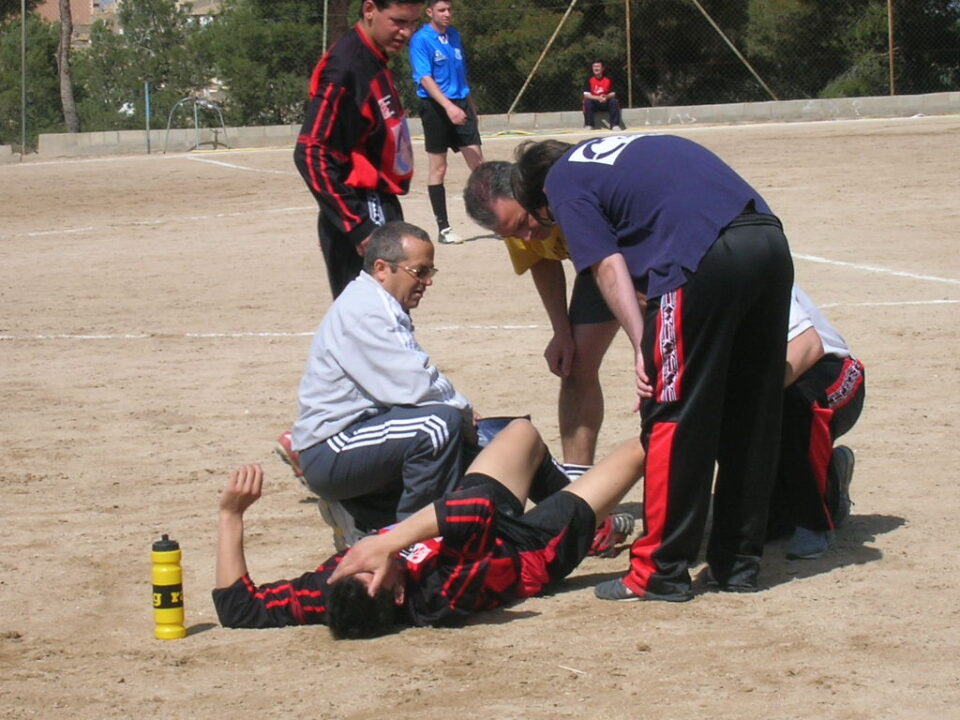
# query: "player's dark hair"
{"points": [[352, 614], [431, 3], [386, 243], [489, 181], [534, 160]]}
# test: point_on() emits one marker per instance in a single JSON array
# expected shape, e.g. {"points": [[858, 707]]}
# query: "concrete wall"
{"points": [[135, 141], [6, 154]]}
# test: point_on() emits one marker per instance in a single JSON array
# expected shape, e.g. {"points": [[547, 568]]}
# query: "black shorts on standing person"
{"points": [[439, 134]]}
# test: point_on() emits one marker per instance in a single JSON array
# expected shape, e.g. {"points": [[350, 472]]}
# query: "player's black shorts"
{"points": [[587, 306], [552, 538], [439, 134]]}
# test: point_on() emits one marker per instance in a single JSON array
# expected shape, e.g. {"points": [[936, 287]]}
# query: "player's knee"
{"points": [[450, 417], [522, 430]]}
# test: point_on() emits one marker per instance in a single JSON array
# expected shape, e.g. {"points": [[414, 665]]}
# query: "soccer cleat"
{"points": [[614, 589], [808, 544], [334, 514], [616, 528], [284, 450], [449, 237], [839, 475], [617, 589]]}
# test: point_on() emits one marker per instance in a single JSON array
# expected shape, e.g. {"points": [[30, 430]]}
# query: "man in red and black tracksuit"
{"points": [[473, 549], [354, 148]]}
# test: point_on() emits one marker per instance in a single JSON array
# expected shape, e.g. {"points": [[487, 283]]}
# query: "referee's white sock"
{"points": [[573, 471]]}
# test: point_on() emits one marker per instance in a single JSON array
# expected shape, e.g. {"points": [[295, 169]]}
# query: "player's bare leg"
{"points": [[580, 404], [604, 485], [436, 168], [472, 155], [512, 457]]}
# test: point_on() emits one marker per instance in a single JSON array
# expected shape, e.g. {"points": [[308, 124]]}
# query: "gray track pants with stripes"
{"points": [[387, 467]]}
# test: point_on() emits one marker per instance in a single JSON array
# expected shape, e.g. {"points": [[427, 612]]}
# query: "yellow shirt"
{"points": [[524, 254]]}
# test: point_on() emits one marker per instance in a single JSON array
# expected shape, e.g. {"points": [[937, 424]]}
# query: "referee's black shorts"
{"points": [[439, 134]]}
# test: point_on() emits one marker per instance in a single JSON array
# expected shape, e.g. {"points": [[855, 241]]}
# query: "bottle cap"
{"points": [[165, 544]]}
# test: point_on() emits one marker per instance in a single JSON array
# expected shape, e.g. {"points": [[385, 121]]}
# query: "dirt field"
{"points": [[156, 314]]}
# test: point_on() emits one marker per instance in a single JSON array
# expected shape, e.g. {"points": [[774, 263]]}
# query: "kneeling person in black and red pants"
{"points": [[822, 400]]}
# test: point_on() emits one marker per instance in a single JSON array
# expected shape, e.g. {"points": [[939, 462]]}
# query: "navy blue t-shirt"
{"points": [[659, 200]]}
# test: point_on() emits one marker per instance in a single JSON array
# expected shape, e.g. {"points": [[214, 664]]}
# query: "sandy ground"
{"points": [[156, 314]]}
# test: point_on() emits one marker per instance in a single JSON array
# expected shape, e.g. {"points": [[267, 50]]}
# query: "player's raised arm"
{"points": [[242, 490]]}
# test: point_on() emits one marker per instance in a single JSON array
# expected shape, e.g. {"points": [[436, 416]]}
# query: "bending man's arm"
{"points": [[803, 352], [374, 553], [615, 283], [551, 284]]}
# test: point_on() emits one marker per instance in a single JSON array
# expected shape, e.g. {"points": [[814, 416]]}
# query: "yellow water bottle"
{"points": [[167, 589]]}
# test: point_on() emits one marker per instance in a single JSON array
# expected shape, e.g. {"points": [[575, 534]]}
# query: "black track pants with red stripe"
{"points": [[715, 350], [823, 404], [343, 261]]}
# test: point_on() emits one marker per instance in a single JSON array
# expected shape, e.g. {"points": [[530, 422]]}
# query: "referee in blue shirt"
{"points": [[446, 110]]}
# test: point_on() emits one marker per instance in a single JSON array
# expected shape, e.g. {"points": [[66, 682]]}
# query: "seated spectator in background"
{"points": [[823, 398], [598, 94], [473, 549], [381, 430]]}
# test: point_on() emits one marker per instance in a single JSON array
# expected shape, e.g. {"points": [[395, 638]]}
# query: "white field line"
{"points": [[876, 269], [234, 166], [428, 328], [161, 221]]}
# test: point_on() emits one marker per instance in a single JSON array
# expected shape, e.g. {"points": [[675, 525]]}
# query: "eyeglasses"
{"points": [[421, 273]]}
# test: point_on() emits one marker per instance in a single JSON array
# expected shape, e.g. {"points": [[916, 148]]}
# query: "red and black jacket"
{"points": [[355, 134]]}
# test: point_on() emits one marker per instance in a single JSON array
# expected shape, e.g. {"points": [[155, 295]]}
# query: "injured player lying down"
{"points": [[473, 549]]}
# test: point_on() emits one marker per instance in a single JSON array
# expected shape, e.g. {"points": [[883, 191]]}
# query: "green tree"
{"points": [[927, 40], [11, 8], [43, 90], [263, 54], [503, 46], [677, 56], [840, 49], [804, 45], [154, 42]]}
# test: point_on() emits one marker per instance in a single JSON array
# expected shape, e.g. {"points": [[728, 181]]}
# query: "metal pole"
{"points": [[735, 51], [893, 84], [324, 51], [542, 55], [629, 58], [23, 77], [196, 126], [146, 109]]}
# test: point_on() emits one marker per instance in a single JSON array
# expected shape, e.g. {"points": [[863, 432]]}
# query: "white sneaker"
{"points": [[345, 532], [449, 237]]}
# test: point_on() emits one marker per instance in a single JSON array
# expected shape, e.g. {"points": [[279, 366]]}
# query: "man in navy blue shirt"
{"points": [[447, 112], [698, 272]]}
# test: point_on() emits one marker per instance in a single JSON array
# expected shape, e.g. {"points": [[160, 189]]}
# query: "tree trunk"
{"points": [[70, 116]]}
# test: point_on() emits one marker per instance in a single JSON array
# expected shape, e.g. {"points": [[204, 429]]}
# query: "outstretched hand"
{"points": [[242, 490], [371, 554]]}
